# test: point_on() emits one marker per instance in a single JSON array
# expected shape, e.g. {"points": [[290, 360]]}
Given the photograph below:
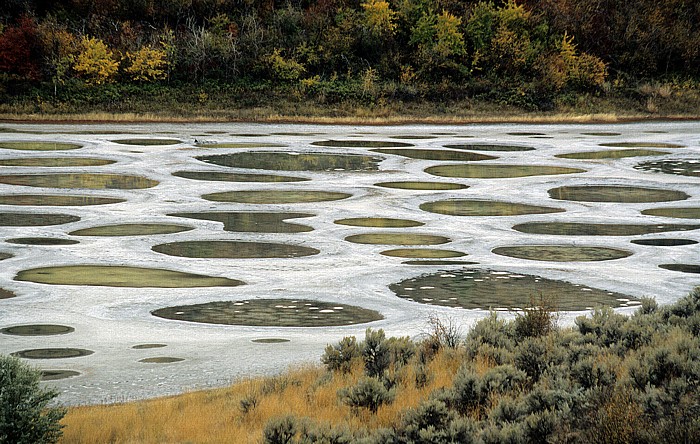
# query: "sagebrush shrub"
{"points": [[368, 393], [339, 357], [25, 417], [280, 430], [375, 352]]}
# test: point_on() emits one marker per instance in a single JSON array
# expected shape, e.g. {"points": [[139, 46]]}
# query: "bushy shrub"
{"points": [[280, 430], [603, 327], [375, 352], [340, 357], [25, 417], [325, 434], [401, 350], [539, 319], [368, 393], [434, 422], [494, 331]]}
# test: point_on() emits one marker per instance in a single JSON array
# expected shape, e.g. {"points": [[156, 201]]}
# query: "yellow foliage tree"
{"points": [[380, 18], [147, 64], [96, 62], [449, 40], [581, 69]]}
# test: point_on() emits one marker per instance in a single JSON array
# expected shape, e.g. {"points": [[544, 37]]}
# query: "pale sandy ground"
{"points": [[110, 321]]}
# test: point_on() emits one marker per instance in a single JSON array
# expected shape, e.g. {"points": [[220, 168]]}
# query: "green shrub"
{"points": [[375, 352], [339, 357], [433, 422], [280, 430], [368, 393], [25, 417], [603, 328], [401, 350], [492, 331]]}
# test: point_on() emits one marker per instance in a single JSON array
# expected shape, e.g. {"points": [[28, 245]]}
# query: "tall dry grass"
{"points": [[217, 416]]}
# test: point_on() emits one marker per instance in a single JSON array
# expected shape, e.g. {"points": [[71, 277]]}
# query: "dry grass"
{"points": [[215, 416], [361, 118]]}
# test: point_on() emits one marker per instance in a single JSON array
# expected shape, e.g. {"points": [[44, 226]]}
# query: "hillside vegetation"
{"points": [[610, 379], [349, 57]]}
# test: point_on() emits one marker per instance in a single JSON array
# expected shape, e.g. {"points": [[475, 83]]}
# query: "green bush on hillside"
{"points": [[610, 379], [25, 417]]}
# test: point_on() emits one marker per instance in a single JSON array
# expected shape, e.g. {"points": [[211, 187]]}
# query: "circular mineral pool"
{"points": [[379, 222], [296, 133], [148, 346], [240, 145], [55, 162], [591, 229], [612, 193], [217, 176], [413, 137], [437, 263], [642, 145], [43, 241], [283, 161], [147, 142], [6, 294], [491, 289], [464, 207], [492, 171], [37, 330], [131, 230], [686, 167], [56, 200], [488, 147], [664, 242], [422, 186], [361, 144], [275, 196], [683, 268], [397, 239], [121, 276], [269, 340], [35, 219], [80, 180], [52, 353], [39, 146], [252, 222], [161, 360], [261, 222], [611, 154], [562, 253], [233, 250], [425, 154], [271, 313], [54, 375], [423, 253], [675, 212]]}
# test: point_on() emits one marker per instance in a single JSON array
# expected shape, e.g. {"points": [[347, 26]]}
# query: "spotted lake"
{"points": [[145, 260]]}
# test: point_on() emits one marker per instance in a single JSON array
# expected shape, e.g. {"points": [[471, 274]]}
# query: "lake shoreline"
{"points": [[131, 118]]}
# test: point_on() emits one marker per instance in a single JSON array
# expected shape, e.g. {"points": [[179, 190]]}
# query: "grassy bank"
{"points": [[609, 379], [384, 104]]}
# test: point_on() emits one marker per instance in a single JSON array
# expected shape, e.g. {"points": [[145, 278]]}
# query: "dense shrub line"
{"points": [[610, 379], [527, 53]]}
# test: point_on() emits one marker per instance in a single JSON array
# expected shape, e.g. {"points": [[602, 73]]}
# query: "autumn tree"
{"points": [[146, 64], [96, 62], [440, 42], [20, 50]]}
